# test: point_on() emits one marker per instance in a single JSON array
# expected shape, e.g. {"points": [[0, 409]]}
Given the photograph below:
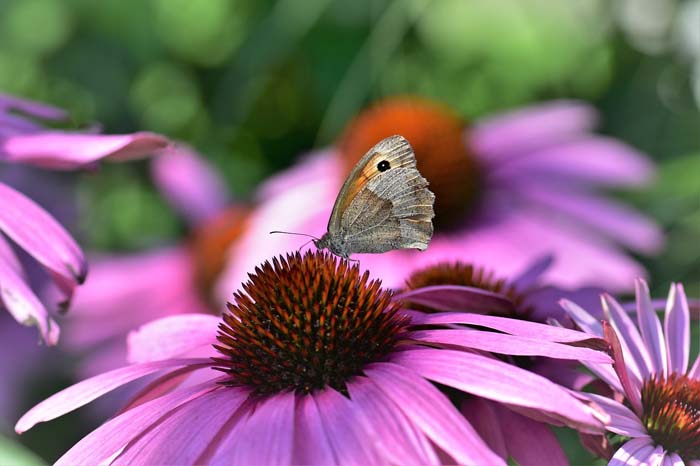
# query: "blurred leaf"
{"points": [[21, 18], [13, 453]]}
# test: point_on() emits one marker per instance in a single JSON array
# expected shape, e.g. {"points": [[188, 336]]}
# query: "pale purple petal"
{"points": [[582, 318], [31, 108], [504, 324], [110, 437], [172, 337], [309, 430], [533, 127], [623, 421], [613, 219], [631, 388], [187, 433], [457, 298], [397, 439], [677, 326], [84, 392], [33, 229], [433, 413], [66, 151], [657, 457], [509, 344], [530, 443], [499, 381], [649, 324], [635, 352], [190, 184], [694, 372], [266, 437], [348, 434], [18, 298], [481, 414], [594, 160], [532, 273], [634, 452]]}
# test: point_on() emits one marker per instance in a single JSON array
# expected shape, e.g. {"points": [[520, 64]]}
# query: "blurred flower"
{"points": [[22, 140], [508, 190], [129, 290], [315, 364], [657, 403]]}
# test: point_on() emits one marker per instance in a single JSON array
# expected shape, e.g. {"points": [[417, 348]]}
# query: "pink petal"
{"points": [[457, 298], [677, 326], [530, 443], [400, 442], [432, 413], [636, 355], [481, 414], [631, 389], [650, 328], [18, 298], [309, 430], [622, 420], [172, 337], [504, 324], [84, 392], [185, 435], [533, 127], [110, 437], [634, 452], [509, 344], [66, 151], [533, 273], [35, 231], [499, 381], [191, 185], [266, 437], [352, 440]]}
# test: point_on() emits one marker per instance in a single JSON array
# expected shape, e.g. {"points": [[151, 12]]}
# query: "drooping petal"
{"points": [[18, 298], [433, 413], [113, 435], [632, 390], [649, 324], [636, 355], [623, 421], [481, 414], [85, 391], [191, 185], [67, 151], [530, 443], [172, 337], [397, 439], [499, 381], [266, 437], [677, 326], [33, 229], [187, 433], [523, 130], [457, 298], [635, 451], [309, 431], [510, 344]]}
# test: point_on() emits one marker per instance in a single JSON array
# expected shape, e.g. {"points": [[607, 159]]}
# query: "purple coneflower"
{"points": [[658, 415], [509, 189], [24, 141], [315, 364]]}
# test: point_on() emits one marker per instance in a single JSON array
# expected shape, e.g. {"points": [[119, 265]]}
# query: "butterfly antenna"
{"points": [[292, 233], [302, 246]]}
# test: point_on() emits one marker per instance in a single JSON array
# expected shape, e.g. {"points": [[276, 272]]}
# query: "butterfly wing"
{"points": [[384, 204]]}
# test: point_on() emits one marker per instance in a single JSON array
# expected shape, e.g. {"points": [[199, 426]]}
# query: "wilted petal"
{"points": [[650, 328], [191, 185], [18, 298], [433, 413], [84, 392], [499, 381], [66, 151], [172, 337], [677, 326], [33, 229]]}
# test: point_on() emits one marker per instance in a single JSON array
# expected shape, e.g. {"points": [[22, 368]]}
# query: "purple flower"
{"points": [[315, 364], [129, 290], [659, 418], [509, 189], [23, 140]]}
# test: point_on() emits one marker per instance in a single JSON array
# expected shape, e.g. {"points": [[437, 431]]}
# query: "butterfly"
{"points": [[384, 204]]}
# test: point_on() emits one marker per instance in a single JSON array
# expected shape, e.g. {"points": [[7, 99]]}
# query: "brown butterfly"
{"points": [[384, 204]]}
